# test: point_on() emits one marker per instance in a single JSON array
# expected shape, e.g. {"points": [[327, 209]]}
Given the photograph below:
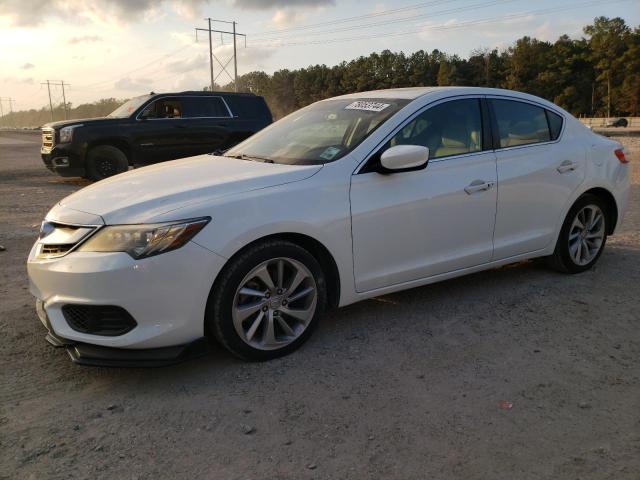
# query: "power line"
{"points": [[356, 18], [142, 67], [440, 13], [276, 44]]}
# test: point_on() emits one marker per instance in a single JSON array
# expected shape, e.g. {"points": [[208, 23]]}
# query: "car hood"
{"points": [[139, 195], [81, 121]]}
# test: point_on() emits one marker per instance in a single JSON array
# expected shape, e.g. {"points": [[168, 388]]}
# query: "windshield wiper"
{"points": [[250, 158]]}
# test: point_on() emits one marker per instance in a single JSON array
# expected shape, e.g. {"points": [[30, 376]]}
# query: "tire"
{"points": [[564, 257], [250, 337], [105, 161]]}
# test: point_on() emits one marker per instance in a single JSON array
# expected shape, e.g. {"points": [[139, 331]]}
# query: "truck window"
{"points": [[168, 107], [205, 107]]}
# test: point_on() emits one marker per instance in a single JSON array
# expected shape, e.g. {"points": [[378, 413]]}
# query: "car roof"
{"points": [[201, 93], [412, 93]]}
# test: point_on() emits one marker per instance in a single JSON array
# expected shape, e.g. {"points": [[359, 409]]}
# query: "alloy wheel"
{"points": [[274, 303], [586, 235]]}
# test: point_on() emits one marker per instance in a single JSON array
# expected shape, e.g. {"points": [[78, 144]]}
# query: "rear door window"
{"points": [[520, 123], [205, 107]]}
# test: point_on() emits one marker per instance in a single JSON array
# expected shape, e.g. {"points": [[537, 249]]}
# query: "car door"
{"points": [[160, 132], [416, 224], [210, 121], [537, 169]]}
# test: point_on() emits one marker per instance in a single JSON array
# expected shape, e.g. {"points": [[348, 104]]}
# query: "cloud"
{"points": [[25, 13], [287, 17], [85, 39], [267, 4], [27, 66], [130, 84], [32, 12], [189, 64]]}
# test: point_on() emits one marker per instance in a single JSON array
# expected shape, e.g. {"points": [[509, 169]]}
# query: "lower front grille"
{"points": [[105, 320]]}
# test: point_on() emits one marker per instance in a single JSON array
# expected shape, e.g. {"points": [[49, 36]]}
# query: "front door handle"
{"points": [[478, 186], [566, 166]]}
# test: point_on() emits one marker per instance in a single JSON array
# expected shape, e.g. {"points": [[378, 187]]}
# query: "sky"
{"points": [[124, 48]]}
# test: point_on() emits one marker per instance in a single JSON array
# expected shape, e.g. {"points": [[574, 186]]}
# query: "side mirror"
{"points": [[404, 157]]}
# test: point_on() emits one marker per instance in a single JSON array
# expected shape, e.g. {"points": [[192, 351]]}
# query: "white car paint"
{"points": [[384, 232]]}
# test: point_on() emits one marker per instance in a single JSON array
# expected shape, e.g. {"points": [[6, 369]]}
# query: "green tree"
{"points": [[608, 39]]}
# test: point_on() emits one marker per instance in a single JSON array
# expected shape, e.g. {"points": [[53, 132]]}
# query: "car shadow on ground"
{"points": [[473, 310]]}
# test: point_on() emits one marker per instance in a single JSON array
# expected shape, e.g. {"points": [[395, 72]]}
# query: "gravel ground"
{"points": [[514, 373]]}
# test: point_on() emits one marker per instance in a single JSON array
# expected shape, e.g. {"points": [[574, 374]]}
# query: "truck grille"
{"points": [[48, 139]]}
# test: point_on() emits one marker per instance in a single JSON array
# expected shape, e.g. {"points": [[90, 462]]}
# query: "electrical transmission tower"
{"points": [[212, 56], [57, 83], [10, 100]]}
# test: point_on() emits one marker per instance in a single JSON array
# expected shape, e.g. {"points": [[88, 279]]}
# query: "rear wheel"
{"points": [[583, 236], [105, 161], [267, 301]]}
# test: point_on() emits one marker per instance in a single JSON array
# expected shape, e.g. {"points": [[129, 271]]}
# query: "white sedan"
{"points": [[346, 199]]}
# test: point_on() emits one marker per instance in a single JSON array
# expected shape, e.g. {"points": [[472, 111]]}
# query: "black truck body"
{"points": [[150, 129]]}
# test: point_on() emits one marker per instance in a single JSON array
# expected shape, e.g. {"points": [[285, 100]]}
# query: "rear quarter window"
{"points": [[249, 107], [555, 124]]}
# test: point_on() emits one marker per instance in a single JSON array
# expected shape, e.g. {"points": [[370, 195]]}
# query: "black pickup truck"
{"points": [[152, 128]]}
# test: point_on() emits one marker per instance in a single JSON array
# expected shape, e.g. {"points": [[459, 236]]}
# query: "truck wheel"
{"points": [[105, 161]]}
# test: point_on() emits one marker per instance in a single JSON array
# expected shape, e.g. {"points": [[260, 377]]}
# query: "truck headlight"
{"points": [[66, 133], [145, 240]]}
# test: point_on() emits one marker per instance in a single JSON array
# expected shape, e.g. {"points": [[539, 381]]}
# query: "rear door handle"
{"points": [[566, 166], [478, 186]]}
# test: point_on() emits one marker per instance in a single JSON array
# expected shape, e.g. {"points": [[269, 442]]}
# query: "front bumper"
{"points": [[64, 160], [166, 294], [96, 356]]}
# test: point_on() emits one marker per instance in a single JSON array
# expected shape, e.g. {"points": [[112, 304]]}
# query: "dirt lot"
{"points": [[404, 386]]}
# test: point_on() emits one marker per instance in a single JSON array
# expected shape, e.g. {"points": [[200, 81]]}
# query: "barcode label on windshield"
{"points": [[368, 106]]}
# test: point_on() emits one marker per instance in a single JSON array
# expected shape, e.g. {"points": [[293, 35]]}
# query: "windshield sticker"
{"points": [[367, 106], [329, 153]]}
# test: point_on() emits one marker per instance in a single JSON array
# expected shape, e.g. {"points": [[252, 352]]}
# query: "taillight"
{"points": [[620, 154]]}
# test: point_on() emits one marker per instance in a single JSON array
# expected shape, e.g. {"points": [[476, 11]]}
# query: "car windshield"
{"points": [[126, 109], [320, 133]]}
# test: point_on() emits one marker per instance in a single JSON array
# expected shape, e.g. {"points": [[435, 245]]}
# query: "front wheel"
{"points": [[267, 301], [105, 161], [582, 237]]}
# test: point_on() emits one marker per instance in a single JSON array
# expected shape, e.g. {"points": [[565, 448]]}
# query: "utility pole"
{"points": [[212, 56], [64, 101], [50, 103], [235, 59], [59, 83], [609, 94]]}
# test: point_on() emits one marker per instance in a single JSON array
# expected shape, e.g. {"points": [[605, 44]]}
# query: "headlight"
{"points": [[146, 240], [66, 133]]}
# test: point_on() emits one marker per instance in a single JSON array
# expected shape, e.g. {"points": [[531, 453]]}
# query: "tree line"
{"points": [[596, 75]]}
